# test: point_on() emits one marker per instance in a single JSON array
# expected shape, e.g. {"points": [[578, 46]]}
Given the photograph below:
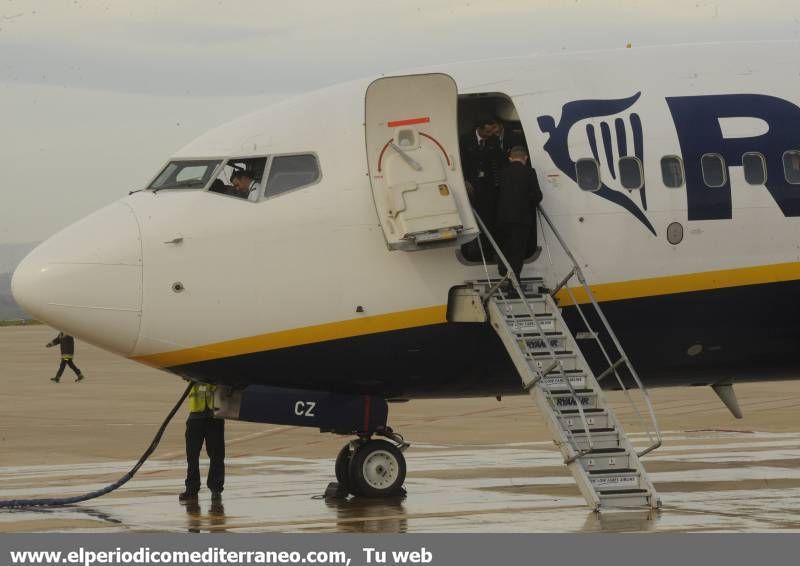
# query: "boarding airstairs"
{"points": [[554, 372]]}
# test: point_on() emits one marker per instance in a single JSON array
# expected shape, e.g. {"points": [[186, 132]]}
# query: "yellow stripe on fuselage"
{"points": [[657, 286], [301, 336], [687, 283]]}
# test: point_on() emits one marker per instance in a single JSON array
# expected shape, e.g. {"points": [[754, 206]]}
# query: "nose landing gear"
{"points": [[372, 468]]}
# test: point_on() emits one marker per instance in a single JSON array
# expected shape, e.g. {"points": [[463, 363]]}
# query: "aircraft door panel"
{"points": [[412, 150]]}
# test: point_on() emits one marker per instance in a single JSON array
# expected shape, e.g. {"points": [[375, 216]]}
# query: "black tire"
{"points": [[343, 467], [377, 469]]}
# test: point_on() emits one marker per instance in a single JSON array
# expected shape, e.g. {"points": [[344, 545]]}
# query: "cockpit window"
{"points": [[240, 177], [185, 175], [289, 172]]}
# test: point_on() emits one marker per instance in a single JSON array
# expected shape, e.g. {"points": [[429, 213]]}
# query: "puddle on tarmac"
{"points": [[708, 481]]}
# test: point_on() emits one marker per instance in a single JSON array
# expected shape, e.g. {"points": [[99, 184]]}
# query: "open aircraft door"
{"points": [[414, 164]]}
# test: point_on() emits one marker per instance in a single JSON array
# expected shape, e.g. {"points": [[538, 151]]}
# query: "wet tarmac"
{"points": [[475, 465], [709, 481]]}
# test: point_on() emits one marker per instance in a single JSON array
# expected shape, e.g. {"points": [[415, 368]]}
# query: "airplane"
{"points": [[670, 174]]}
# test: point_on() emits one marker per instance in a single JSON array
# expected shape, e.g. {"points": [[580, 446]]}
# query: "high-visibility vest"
{"points": [[201, 397]]}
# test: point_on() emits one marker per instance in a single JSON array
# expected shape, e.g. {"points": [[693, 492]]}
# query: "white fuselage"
{"points": [[311, 266]]}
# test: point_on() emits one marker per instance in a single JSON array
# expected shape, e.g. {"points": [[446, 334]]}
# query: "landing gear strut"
{"points": [[372, 468]]}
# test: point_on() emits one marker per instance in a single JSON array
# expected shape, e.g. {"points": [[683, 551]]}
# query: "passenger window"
{"points": [[588, 173], [630, 173], [672, 171], [185, 175], [791, 166], [289, 172], [714, 175], [240, 177], [755, 168]]}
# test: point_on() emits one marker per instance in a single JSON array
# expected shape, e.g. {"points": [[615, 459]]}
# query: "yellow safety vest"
{"points": [[201, 398]]}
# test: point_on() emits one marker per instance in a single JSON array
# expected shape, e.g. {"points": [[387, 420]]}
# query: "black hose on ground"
{"points": [[58, 502]]}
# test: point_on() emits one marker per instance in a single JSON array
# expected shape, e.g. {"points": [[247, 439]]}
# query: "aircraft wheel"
{"points": [[377, 469], [343, 467]]}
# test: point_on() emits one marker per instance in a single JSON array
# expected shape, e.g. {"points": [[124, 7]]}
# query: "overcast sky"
{"points": [[96, 94]]}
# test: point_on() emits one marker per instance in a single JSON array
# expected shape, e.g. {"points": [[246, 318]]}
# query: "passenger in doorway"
{"points": [[519, 195], [201, 426], [67, 344], [244, 185]]}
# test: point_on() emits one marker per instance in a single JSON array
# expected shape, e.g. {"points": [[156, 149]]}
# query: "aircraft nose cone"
{"points": [[87, 279]]}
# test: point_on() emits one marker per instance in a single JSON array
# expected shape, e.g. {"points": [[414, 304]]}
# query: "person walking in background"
{"points": [[67, 343]]}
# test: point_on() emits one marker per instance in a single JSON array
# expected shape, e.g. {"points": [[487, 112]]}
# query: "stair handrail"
{"points": [[578, 272], [558, 365]]}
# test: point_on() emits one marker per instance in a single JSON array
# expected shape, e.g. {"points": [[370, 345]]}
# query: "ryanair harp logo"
{"points": [[612, 132]]}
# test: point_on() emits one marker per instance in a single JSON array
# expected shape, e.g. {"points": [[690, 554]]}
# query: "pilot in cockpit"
{"points": [[244, 185], [219, 186]]}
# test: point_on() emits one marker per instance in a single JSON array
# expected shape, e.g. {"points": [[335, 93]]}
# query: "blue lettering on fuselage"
{"points": [[699, 132], [697, 124]]}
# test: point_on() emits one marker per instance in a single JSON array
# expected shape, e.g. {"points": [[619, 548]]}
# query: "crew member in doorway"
{"points": [[245, 186], [508, 138], [67, 344], [482, 160], [201, 426], [518, 198]]}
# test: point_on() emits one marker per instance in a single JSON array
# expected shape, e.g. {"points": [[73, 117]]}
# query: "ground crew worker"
{"points": [[67, 343], [518, 198], [201, 426]]}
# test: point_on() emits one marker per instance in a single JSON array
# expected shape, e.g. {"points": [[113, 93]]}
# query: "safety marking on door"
{"points": [[409, 121]]}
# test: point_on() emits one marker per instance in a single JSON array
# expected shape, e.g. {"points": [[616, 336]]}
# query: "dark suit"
{"points": [[518, 197], [509, 139], [481, 164]]}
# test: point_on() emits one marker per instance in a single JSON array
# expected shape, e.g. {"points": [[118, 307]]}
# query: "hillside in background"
{"points": [[10, 256]]}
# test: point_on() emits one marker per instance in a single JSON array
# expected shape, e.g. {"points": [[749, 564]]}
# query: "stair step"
{"points": [[568, 392], [555, 340], [606, 459], [496, 279], [596, 421], [564, 400], [615, 480], [612, 471], [591, 430], [546, 323], [555, 381], [526, 327], [543, 361], [528, 284], [558, 354], [517, 308], [567, 412], [608, 439], [625, 498]]}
